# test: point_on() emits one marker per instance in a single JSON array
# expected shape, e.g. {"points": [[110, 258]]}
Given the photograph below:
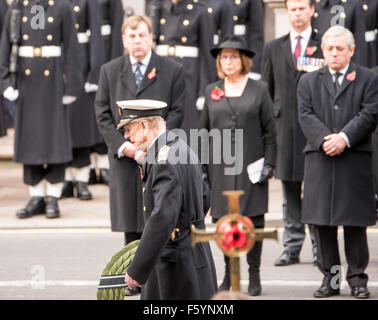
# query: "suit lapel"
{"points": [[286, 47], [127, 76], [328, 81], [345, 84], [149, 76]]}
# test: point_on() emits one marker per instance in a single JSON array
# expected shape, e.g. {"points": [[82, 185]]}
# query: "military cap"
{"points": [[130, 110]]}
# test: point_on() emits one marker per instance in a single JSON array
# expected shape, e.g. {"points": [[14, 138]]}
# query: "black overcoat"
{"points": [[117, 83], [280, 72], [252, 114], [250, 14], [189, 24], [111, 29], [370, 8], [352, 18], [42, 134], [339, 190], [90, 56], [169, 267]]}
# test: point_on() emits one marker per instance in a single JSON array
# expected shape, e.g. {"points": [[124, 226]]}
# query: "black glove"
{"points": [[266, 173]]}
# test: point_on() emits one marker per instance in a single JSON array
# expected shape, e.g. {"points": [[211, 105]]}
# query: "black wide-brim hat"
{"points": [[233, 42]]}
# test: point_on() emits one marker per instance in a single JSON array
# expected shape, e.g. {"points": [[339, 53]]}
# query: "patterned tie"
{"points": [[336, 82], [298, 49], [138, 74]]}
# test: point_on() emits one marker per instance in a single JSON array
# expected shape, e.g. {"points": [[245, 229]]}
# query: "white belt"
{"points": [[106, 29], [177, 51], [44, 52], [83, 37], [371, 35], [240, 29]]}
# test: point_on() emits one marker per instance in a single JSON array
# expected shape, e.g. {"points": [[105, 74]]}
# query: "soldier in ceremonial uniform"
{"points": [[91, 57], [3, 124], [141, 74], [285, 60], [349, 14], [165, 264], [248, 18], [186, 35], [370, 8], [46, 81], [111, 26]]}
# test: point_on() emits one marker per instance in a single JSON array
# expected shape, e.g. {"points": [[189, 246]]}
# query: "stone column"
{"points": [[276, 23]]}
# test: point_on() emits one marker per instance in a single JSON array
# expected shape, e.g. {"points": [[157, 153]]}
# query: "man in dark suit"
{"points": [[141, 74], [338, 109], [285, 60], [165, 263]]}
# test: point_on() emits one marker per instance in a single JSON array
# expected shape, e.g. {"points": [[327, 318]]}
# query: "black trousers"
{"points": [[132, 236], [100, 148], [81, 157], [34, 174], [294, 230], [356, 253]]}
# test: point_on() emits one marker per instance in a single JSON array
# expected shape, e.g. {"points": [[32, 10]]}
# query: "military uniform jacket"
{"points": [[248, 18], [339, 190], [352, 18], [280, 72], [91, 56], [189, 24], [117, 82], [370, 8], [111, 29], [221, 12], [42, 133], [165, 262], [251, 113]]}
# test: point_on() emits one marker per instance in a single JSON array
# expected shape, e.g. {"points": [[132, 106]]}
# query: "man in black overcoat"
{"points": [[141, 74], [285, 60], [165, 263], [338, 109], [46, 82]]}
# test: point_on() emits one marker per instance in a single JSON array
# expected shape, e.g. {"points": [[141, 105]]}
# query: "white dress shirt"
{"points": [[306, 36]]}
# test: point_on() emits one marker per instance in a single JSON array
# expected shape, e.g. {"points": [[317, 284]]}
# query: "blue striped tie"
{"points": [[138, 74]]}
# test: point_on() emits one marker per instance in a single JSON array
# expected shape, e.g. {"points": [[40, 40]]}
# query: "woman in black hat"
{"points": [[237, 102]]}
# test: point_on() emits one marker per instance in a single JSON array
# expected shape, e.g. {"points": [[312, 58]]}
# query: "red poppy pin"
{"points": [[152, 74], [310, 50], [351, 76], [217, 94]]}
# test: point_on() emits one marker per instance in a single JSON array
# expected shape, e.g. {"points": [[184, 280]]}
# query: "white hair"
{"points": [[339, 31]]}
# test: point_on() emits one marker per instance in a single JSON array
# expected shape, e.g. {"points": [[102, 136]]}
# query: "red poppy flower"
{"points": [[217, 94], [310, 50], [351, 76], [152, 74]]}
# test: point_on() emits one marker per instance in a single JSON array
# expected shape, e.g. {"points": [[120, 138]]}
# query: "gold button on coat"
{"points": [[365, 7], [235, 18], [186, 22], [25, 3], [25, 37], [184, 39], [189, 6], [76, 8], [144, 209], [50, 19], [161, 38], [28, 72], [46, 73], [210, 10], [51, 2], [163, 21], [24, 19], [49, 37]]}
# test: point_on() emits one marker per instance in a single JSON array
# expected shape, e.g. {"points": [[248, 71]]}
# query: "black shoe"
{"points": [[92, 177], [226, 284], [254, 287], [52, 209], [326, 291], [360, 292], [104, 177], [286, 259], [82, 191], [36, 205], [68, 190], [132, 292]]}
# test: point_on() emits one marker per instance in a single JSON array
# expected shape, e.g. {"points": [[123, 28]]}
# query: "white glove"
{"points": [[200, 103], [254, 76], [90, 87], [139, 156], [10, 94], [68, 99]]}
